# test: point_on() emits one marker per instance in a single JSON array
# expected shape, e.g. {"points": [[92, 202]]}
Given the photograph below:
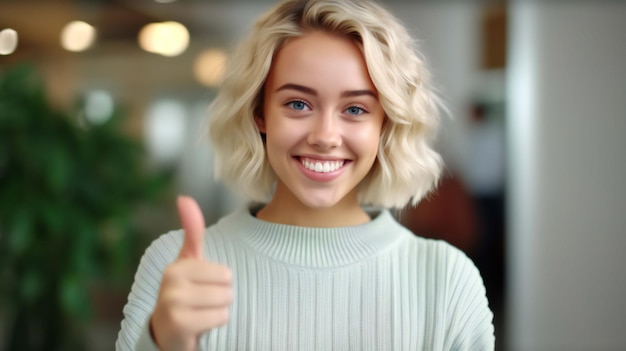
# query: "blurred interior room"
{"points": [[103, 105]]}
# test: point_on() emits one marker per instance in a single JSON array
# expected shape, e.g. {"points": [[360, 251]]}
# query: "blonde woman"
{"points": [[326, 108]]}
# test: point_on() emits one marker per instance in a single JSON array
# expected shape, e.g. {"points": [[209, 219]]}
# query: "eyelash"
{"points": [[360, 107], [290, 104]]}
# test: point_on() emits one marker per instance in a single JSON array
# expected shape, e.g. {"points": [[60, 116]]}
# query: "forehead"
{"points": [[320, 59]]}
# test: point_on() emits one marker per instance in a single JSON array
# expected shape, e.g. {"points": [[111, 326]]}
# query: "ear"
{"points": [[260, 122]]}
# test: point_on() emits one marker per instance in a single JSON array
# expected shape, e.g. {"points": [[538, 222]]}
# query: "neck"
{"points": [[292, 211]]}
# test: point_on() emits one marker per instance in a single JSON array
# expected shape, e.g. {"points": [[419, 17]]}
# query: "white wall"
{"points": [[567, 113], [448, 37]]}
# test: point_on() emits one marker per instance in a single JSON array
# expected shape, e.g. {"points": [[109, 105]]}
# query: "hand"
{"points": [[195, 294]]}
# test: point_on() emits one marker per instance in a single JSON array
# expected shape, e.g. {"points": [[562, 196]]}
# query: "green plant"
{"points": [[67, 195]]}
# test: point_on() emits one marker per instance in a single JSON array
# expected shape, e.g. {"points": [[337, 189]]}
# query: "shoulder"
{"points": [[163, 250], [462, 295], [459, 294], [450, 258], [435, 251], [440, 265]]}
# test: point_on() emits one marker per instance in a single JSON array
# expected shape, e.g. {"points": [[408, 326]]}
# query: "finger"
{"points": [[197, 272], [199, 297], [208, 273], [211, 296], [192, 221], [202, 320]]}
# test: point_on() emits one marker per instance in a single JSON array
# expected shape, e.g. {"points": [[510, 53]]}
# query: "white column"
{"points": [[567, 134]]}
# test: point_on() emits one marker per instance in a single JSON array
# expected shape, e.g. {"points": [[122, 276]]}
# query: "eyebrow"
{"points": [[311, 91]]}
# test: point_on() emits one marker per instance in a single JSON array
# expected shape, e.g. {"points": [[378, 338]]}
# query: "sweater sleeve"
{"points": [[469, 316], [134, 334]]}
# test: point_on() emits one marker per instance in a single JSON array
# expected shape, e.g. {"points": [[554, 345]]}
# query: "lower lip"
{"points": [[319, 176]]}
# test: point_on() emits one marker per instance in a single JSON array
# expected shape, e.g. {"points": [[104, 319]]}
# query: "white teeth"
{"points": [[321, 166]]}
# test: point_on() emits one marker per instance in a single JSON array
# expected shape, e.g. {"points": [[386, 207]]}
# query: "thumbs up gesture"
{"points": [[195, 294]]}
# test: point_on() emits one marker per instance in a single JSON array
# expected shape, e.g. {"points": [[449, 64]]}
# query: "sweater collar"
{"points": [[313, 247]]}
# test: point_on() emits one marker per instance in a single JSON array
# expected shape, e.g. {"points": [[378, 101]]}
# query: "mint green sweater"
{"points": [[374, 286]]}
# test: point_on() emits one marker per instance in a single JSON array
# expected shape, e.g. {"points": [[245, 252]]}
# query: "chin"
{"points": [[318, 203]]}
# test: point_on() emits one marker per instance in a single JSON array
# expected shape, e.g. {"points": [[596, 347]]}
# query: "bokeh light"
{"points": [[209, 67], [77, 36], [8, 41], [99, 106], [164, 38], [164, 130]]}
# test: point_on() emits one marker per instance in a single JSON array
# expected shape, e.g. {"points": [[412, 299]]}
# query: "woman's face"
{"points": [[322, 119]]}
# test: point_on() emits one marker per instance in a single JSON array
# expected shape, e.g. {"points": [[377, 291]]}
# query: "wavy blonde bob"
{"points": [[406, 168]]}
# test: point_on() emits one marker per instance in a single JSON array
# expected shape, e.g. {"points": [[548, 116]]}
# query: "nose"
{"points": [[325, 132]]}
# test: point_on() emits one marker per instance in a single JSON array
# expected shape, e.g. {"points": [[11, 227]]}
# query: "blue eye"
{"points": [[355, 110], [297, 105]]}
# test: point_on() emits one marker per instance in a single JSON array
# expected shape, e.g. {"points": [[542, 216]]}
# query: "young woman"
{"points": [[326, 109]]}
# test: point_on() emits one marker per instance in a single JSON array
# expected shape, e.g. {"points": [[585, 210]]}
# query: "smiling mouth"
{"points": [[321, 166]]}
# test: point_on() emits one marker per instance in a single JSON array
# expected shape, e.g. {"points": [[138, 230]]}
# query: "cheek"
{"points": [[280, 138], [285, 131], [366, 139]]}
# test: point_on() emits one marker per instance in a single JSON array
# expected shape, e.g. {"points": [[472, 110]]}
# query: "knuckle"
{"points": [[178, 321], [170, 271], [170, 297], [227, 274], [221, 316], [221, 273], [221, 296], [227, 296]]}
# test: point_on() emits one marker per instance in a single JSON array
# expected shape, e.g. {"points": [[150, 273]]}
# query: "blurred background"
{"points": [[102, 112]]}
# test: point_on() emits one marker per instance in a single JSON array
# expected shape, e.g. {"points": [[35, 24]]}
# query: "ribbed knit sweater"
{"points": [[374, 286]]}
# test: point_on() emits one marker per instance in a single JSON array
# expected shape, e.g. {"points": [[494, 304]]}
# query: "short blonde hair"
{"points": [[406, 167]]}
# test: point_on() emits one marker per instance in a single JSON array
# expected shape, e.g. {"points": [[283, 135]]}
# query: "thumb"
{"points": [[193, 224]]}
